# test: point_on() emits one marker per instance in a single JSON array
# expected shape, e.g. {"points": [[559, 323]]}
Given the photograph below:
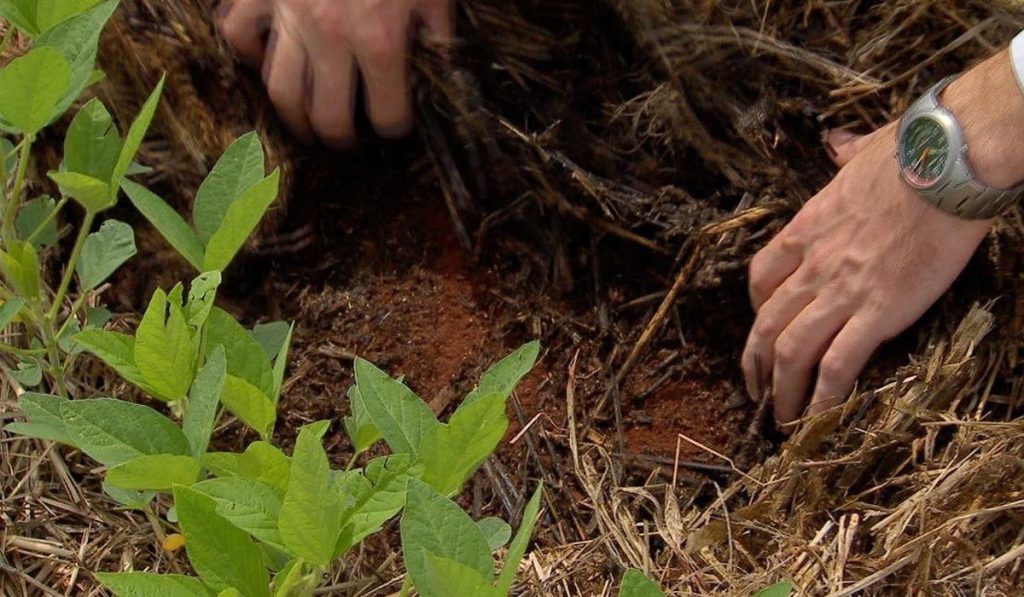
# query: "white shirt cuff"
{"points": [[1017, 58]]}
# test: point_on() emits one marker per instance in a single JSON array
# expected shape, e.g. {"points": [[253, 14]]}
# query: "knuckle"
{"points": [[788, 352], [331, 20], [759, 283], [767, 326], [833, 369], [378, 39]]}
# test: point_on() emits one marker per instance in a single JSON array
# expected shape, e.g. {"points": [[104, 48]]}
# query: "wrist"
{"points": [[989, 104]]}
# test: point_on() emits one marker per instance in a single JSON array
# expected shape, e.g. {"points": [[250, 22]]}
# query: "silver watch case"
{"points": [[957, 190]]}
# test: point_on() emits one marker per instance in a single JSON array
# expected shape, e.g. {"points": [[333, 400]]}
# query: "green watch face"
{"points": [[924, 151]]}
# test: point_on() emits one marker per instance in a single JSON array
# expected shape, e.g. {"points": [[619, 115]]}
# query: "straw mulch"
{"points": [[687, 132]]}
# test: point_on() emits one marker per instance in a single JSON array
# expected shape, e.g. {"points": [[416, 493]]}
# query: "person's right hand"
{"points": [[315, 50]]}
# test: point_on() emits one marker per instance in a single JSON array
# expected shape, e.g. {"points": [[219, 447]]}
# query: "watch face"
{"points": [[924, 151]]}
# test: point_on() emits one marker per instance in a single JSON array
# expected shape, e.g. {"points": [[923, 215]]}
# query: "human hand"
{"points": [[867, 256], [316, 49]]}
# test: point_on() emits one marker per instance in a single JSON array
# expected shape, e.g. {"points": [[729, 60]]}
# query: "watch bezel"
{"points": [[956, 148]]}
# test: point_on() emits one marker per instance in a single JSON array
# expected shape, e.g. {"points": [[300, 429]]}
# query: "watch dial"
{"points": [[924, 151]]}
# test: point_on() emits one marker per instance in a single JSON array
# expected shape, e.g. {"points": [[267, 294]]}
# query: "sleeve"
{"points": [[1017, 58]]}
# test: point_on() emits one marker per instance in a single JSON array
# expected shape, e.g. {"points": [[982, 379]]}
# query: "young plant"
{"points": [[262, 523], [228, 207], [35, 90]]}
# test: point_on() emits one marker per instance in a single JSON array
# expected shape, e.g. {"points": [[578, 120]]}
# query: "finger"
{"points": [[286, 75], [772, 319], [381, 50], [438, 18], [798, 349], [844, 360], [244, 24], [332, 106], [772, 265], [842, 145]]}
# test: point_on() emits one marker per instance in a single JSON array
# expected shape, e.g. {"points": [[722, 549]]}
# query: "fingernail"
{"points": [[832, 153], [224, 9], [836, 138], [268, 56]]}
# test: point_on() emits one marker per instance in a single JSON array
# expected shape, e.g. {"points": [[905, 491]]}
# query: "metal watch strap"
{"points": [[962, 195]]}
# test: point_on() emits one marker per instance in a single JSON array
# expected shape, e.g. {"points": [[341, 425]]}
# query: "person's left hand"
{"points": [[861, 262], [315, 51]]}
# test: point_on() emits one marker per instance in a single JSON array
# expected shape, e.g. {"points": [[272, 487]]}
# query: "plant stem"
{"points": [[22, 352], [56, 366], [69, 270], [14, 200], [352, 462], [406, 586]]}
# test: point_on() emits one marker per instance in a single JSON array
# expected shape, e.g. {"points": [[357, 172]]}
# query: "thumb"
{"points": [[843, 145]]}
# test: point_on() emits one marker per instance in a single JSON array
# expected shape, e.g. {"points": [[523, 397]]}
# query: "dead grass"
{"points": [[677, 135]]}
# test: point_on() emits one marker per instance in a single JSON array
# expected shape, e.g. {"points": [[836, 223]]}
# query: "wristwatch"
{"points": [[933, 159]]}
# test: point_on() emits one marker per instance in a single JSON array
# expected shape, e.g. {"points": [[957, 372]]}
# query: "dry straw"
{"points": [[687, 131]]}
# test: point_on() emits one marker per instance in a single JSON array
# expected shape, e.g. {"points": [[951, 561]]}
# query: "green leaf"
{"points": [[452, 452], [636, 584], [249, 404], [9, 310], [92, 144], [66, 340], [32, 85], [230, 592], [260, 462], [517, 548], [20, 266], [311, 510], [220, 552], [297, 579], [113, 432], [133, 140], [78, 39], [132, 500], [44, 420], [281, 364], [378, 494], [434, 525], [52, 12], [29, 372], [272, 336], [504, 375], [782, 589], [31, 218], [168, 223], [239, 222], [400, 415], [359, 425], [250, 505], [448, 577], [164, 351], [90, 193], [21, 14], [104, 251], [496, 530], [148, 584], [117, 350], [204, 397], [246, 358], [158, 472], [201, 295], [237, 170]]}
